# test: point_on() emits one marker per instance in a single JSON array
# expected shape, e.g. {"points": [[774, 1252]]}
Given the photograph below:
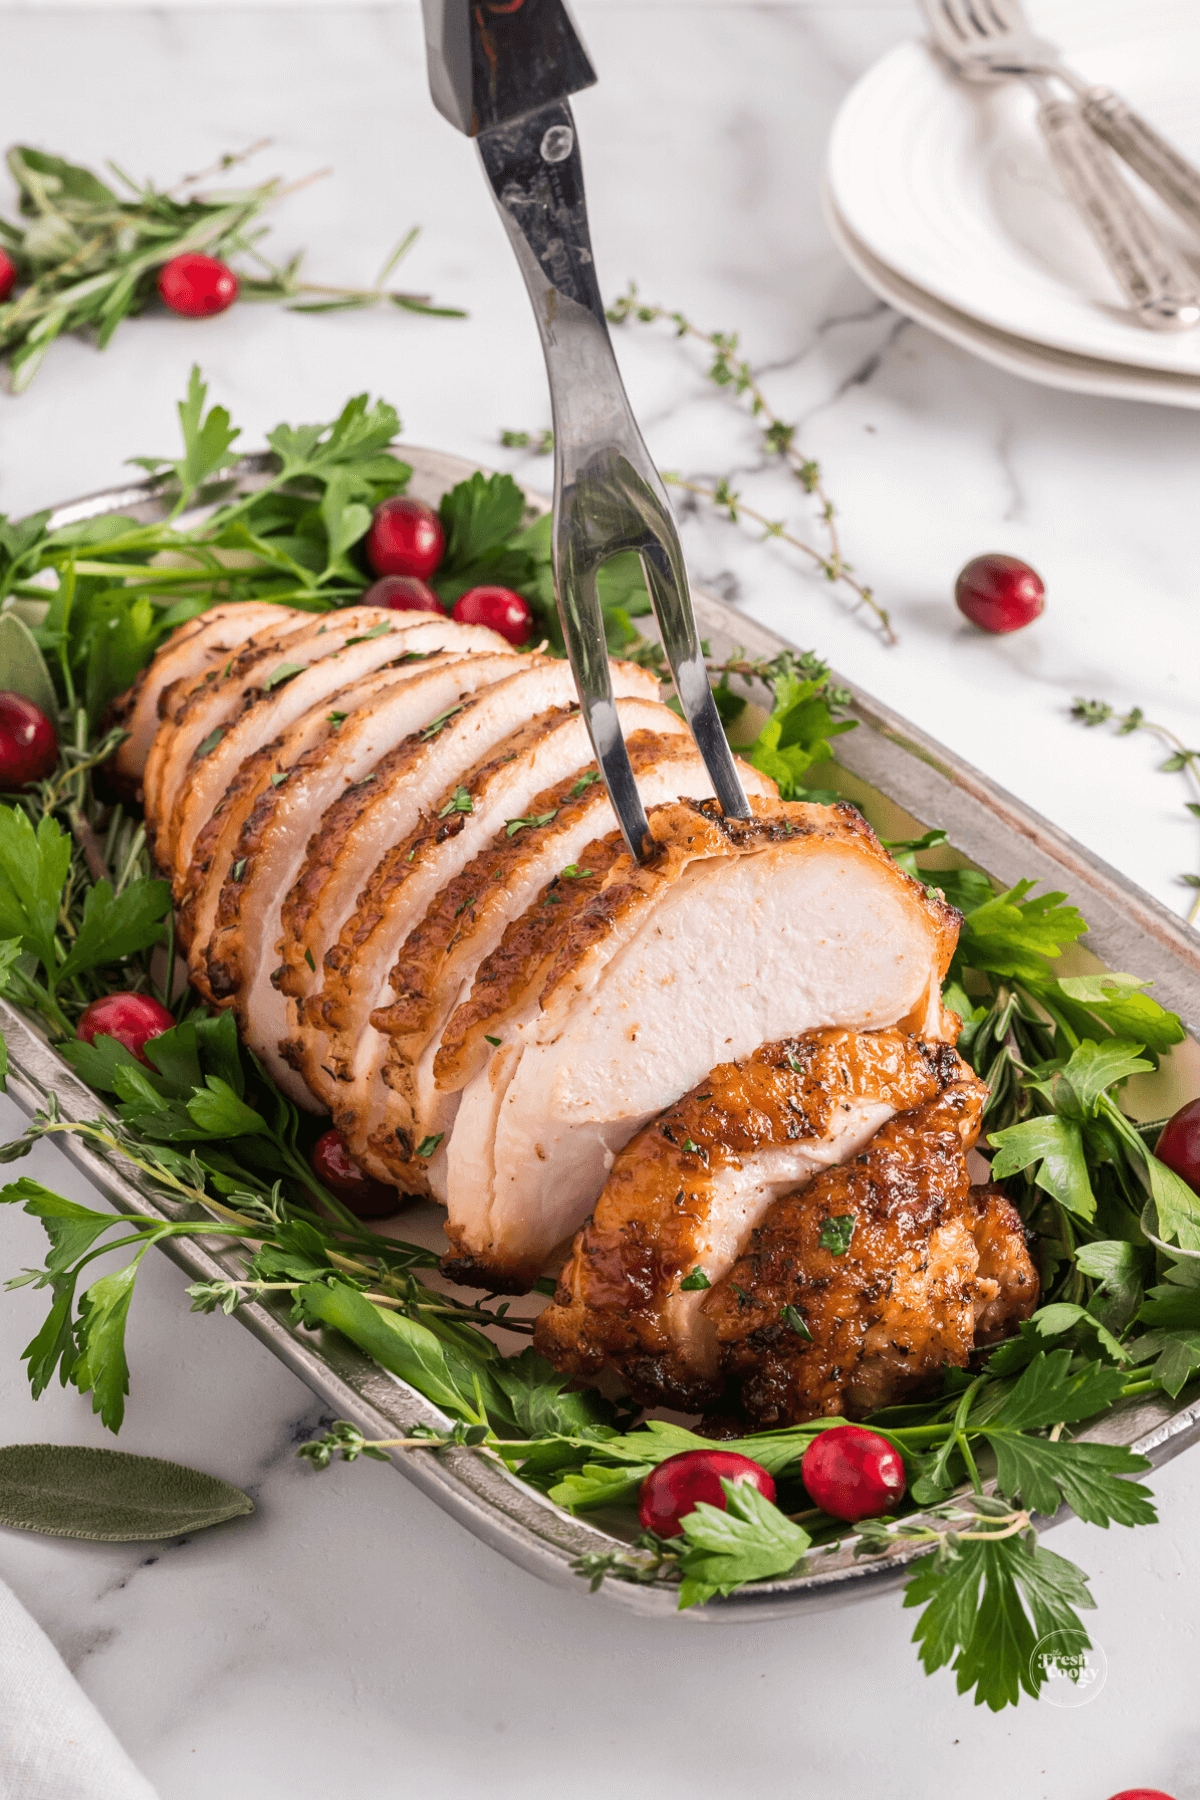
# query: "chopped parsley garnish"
{"points": [[435, 725], [584, 782], [459, 802], [210, 742], [533, 821], [428, 1145], [377, 631], [573, 872], [799, 1324], [279, 777], [491, 1040], [308, 957], [238, 869], [335, 718], [836, 1232], [285, 672], [692, 1283]]}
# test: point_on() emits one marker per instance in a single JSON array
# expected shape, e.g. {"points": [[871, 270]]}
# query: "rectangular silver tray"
{"points": [[905, 782]]}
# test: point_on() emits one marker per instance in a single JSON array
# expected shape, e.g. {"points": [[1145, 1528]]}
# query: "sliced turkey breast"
{"points": [[203, 702], [421, 644], [686, 1192], [469, 915], [192, 648], [739, 932], [880, 1318], [312, 675], [242, 952], [495, 795], [356, 830], [509, 980], [263, 773]]}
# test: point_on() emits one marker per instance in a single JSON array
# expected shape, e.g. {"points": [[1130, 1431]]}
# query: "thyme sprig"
{"points": [[731, 371], [1180, 761]]}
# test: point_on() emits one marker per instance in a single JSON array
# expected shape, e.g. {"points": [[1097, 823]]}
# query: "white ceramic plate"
{"points": [[949, 186], [1015, 355]]}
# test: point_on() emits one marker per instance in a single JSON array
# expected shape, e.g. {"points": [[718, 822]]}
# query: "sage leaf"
{"points": [[109, 1496]]}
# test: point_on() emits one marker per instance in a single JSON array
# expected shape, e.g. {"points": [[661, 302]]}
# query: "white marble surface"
{"points": [[349, 1638]]}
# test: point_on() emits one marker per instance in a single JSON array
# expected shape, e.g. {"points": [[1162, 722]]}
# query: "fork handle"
{"points": [[1153, 277], [1158, 162]]}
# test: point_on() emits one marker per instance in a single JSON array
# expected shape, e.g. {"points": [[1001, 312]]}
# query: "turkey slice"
{"points": [[242, 951], [686, 1192], [197, 889], [739, 933], [471, 913], [356, 831], [312, 674], [496, 794], [192, 648], [195, 706], [257, 783]]}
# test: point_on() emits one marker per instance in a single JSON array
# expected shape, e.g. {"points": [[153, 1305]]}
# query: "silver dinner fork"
{"points": [[990, 40], [501, 71]]}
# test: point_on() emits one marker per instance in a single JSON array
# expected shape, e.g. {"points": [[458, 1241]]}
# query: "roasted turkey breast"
{"points": [[192, 649], [739, 932], [684, 1195], [808, 1329], [394, 859]]}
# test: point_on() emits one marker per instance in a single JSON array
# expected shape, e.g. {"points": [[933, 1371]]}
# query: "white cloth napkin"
{"points": [[53, 1743]]}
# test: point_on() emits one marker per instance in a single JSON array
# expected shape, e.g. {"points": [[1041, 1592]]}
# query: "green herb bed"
{"points": [[221, 1155]]}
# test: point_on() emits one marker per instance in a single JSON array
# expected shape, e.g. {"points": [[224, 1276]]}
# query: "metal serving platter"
{"points": [[905, 783]]}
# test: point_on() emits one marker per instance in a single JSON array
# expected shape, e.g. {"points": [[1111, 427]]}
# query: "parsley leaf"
{"points": [[749, 1541], [115, 926], [1057, 1146], [695, 1281], [989, 1637], [797, 733], [1015, 937]]}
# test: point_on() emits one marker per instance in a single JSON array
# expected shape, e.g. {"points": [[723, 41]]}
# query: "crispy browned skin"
{"points": [[889, 1313], [652, 1223], [1006, 1284]]}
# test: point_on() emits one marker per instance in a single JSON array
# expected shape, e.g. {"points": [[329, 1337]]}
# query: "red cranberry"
{"points": [[999, 593], [28, 742], [499, 609], [133, 1019], [402, 593], [333, 1164], [1179, 1144], [852, 1473], [1141, 1794], [679, 1484], [8, 275], [197, 286], [405, 538]]}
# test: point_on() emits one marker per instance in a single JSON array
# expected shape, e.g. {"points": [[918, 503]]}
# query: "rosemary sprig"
{"points": [[1180, 761], [87, 254]]}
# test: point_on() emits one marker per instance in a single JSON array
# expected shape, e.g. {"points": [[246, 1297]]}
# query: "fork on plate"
{"points": [[501, 73], [990, 40]]}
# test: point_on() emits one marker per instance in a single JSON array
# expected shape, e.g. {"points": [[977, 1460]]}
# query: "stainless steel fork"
{"points": [[989, 40], [501, 71]]}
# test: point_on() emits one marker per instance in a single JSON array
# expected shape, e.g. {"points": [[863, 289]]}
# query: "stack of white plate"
{"points": [[942, 197]]}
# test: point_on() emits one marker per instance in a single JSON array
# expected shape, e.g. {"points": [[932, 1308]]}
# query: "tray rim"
{"points": [[497, 1507]]}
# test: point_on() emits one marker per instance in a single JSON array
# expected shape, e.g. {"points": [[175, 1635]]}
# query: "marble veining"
{"points": [[348, 1637]]}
